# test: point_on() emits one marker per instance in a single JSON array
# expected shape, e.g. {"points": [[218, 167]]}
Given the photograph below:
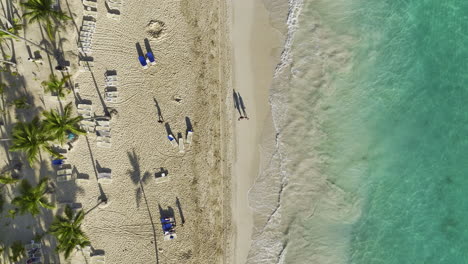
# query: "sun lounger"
{"points": [[98, 259], [172, 140], [189, 137], [90, 13], [57, 162], [150, 57], [111, 80], [86, 34], [88, 126], [104, 142], [85, 106], [168, 227], [111, 77], [105, 123], [88, 64], [64, 172], [90, 3], [33, 252], [85, 39], [85, 50], [84, 44], [114, 6], [64, 175], [89, 23], [143, 62], [111, 97], [104, 177], [90, 29], [181, 145], [84, 113], [102, 128]]}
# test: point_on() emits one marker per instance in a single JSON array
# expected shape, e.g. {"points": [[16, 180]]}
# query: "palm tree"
{"points": [[60, 125], [56, 86], [32, 198], [42, 11], [5, 179], [12, 30], [31, 138], [68, 231]]}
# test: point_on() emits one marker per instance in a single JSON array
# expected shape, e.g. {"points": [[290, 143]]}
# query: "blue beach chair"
{"points": [[168, 227], [57, 162], [143, 62], [150, 57]]}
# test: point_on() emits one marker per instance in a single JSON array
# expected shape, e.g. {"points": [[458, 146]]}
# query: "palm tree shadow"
{"points": [[138, 179]]}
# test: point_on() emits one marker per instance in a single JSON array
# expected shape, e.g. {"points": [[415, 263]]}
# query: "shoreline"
{"points": [[255, 56]]}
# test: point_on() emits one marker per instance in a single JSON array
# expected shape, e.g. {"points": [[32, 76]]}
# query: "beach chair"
{"points": [[102, 128], [98, 259], [103, 142], [90, 29], [111, 80], [181, 145], [143, 62], [114, 6], [85, 110], [172, 140], [86, 65], [150, 57], [89, 23], [89, 4], [57, 162], [90, 13], [88, 126], [104, 123], [111, 97], [168, 227], [104, 177], [33, 252], [189, 137], [64, 175], [86, 34]]}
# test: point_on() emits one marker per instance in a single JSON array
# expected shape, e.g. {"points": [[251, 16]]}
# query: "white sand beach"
{"points": [[191, 83], [256, 48]]}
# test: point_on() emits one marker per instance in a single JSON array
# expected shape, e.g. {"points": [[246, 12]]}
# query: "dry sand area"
{"points": [[190, 43]]}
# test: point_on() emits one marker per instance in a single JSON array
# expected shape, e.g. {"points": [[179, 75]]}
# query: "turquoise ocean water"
{"points": [[371, 157]]}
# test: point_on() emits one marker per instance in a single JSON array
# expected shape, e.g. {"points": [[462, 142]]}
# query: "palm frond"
{"points": [[68, 232], [7, 180], [32, 198]]}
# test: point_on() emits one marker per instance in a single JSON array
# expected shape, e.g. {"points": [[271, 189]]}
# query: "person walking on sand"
{"points": [[242, 106], [35, 60]]}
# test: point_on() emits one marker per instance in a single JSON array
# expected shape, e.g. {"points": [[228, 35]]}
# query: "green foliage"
{"points": [[2, 87], [32, 198], [12, 213], [7, 179], [2, 201], [21, 103], [59, 125], [56, 86], [31, 138], [42, 11], [68, 231], [17, 251]]}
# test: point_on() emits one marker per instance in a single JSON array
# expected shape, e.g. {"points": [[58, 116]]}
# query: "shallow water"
{"points": [[369, 164]]}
